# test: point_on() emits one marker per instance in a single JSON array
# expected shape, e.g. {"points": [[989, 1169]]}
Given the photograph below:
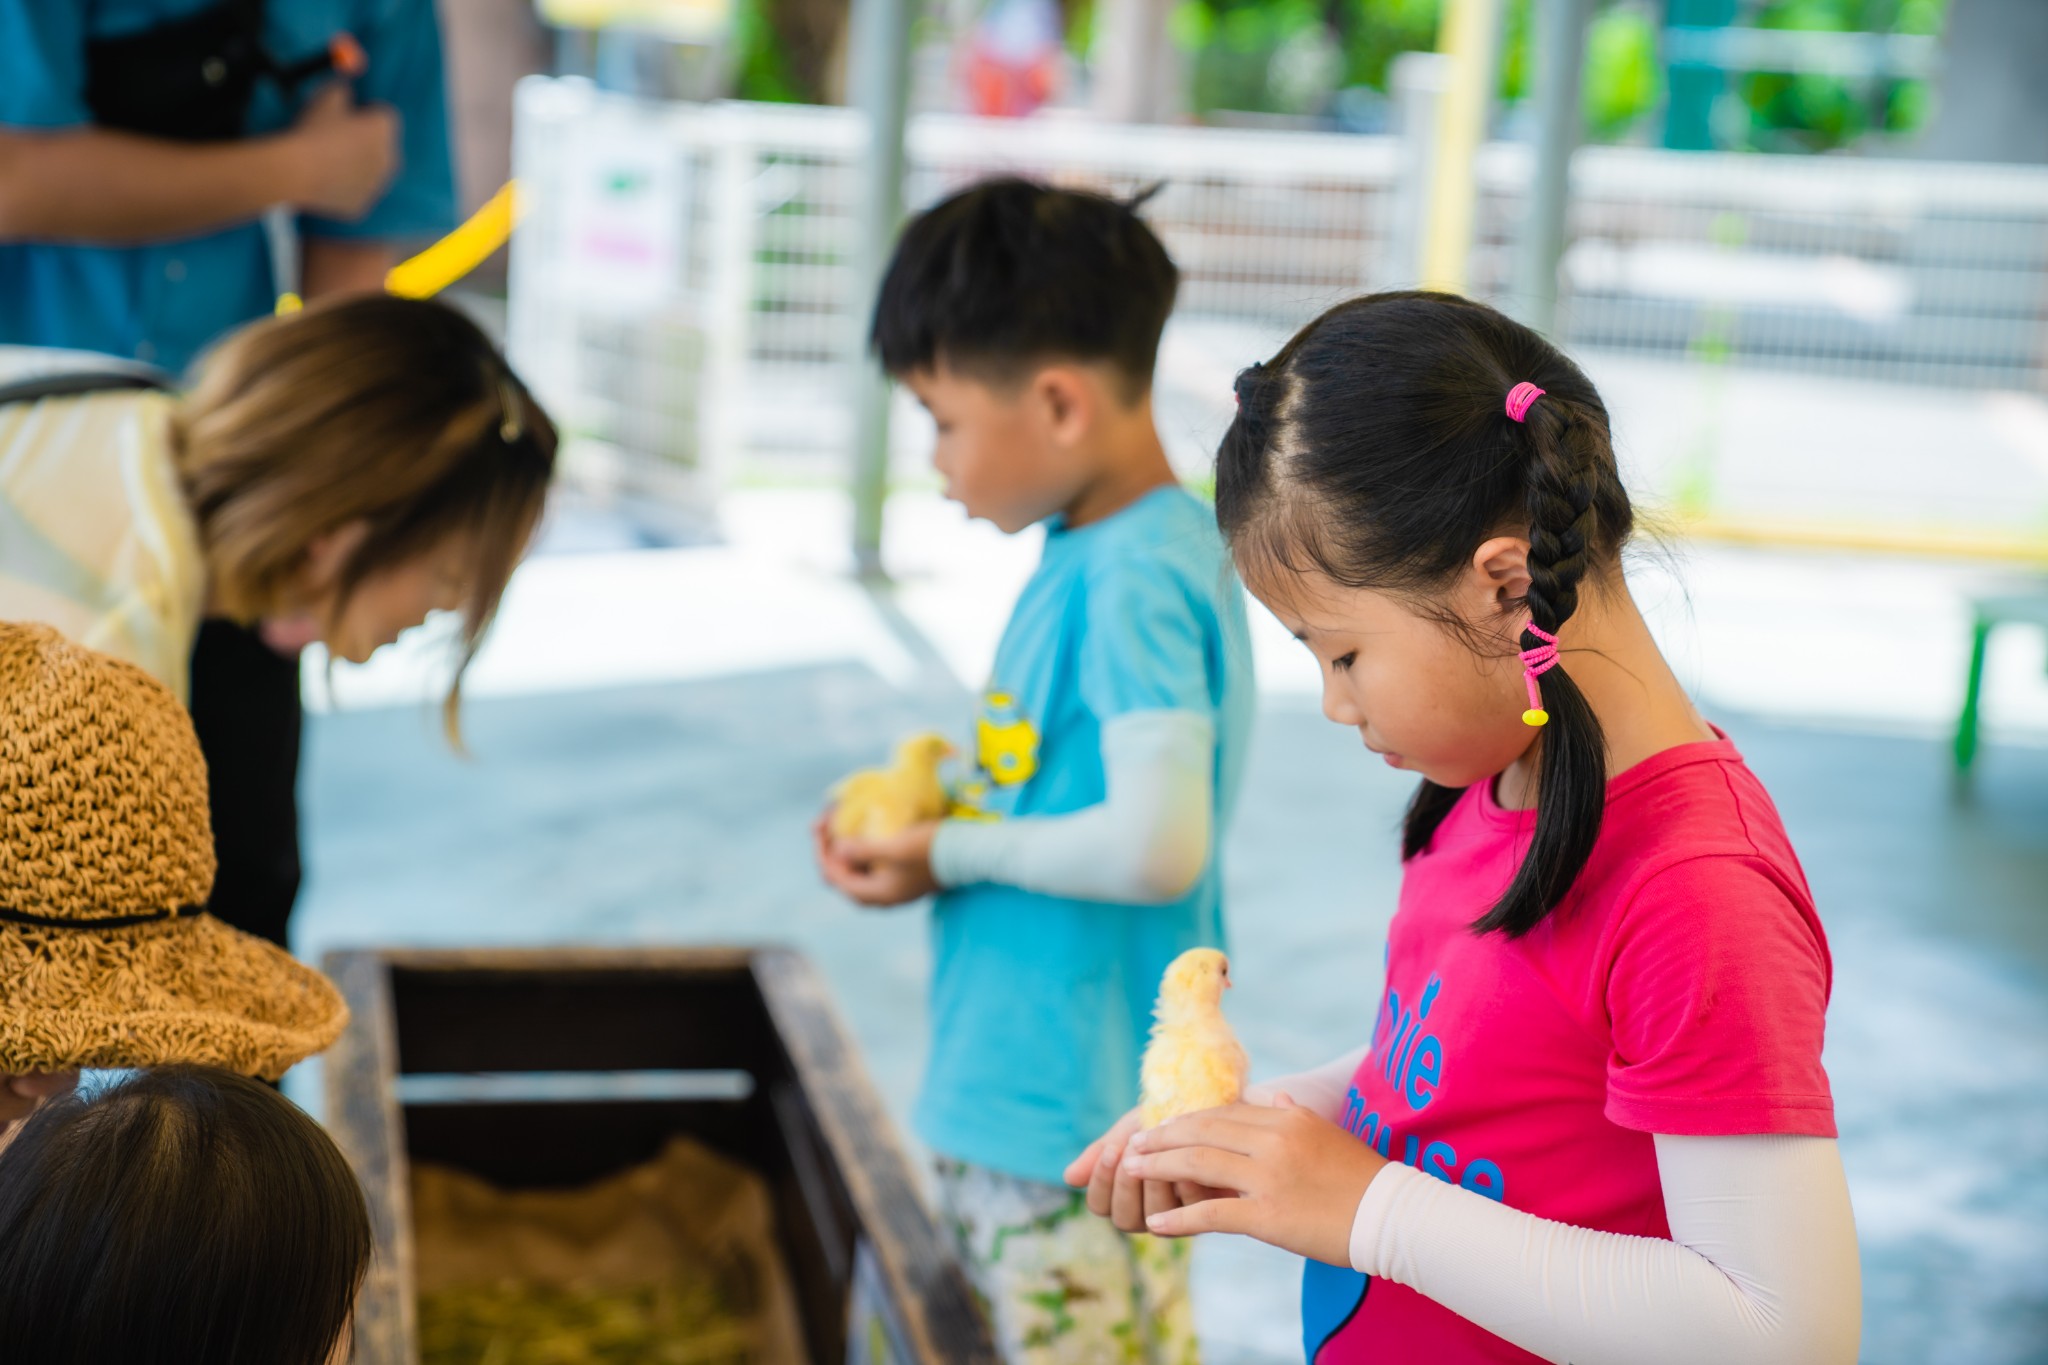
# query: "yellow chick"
{"points": [[1194, 1060], [878, 802]]}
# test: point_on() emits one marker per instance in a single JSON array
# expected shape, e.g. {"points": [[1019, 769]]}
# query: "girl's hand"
{"points": [[879, 872], [1298, 1177], [1116, 1194]]}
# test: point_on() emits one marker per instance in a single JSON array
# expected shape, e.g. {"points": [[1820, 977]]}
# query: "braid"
{"points": [[1563, 519], [1570, 489]]}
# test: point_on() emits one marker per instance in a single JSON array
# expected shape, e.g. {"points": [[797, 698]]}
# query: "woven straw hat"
{"points": [[106, 855]]}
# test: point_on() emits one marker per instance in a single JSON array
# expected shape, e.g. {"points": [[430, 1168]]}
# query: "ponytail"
{"points": [[1375, 450]]}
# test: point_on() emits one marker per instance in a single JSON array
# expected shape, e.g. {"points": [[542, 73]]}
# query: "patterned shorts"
{"points": [[1062, 1286]]}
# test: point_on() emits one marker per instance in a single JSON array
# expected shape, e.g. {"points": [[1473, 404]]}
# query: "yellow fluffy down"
{"points": [[1194, 1061], [876, 803]]}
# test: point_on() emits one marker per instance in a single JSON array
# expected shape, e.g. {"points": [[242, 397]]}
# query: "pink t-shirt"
{"points": [[1679, 988]]}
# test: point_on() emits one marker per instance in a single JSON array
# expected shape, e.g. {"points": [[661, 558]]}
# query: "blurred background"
{"points": [[1800, 245]]}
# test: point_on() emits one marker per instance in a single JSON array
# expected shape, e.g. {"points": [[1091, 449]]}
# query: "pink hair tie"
{"points": [[1519, 399], [1535, 663]]}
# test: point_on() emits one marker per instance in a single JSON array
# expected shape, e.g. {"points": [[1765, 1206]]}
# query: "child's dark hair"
{"points": [[183, 1214], [1375, 449], [1011, 273]]}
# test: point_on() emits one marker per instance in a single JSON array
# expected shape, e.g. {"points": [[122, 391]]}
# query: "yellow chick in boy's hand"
{"points": [[878, 802], [1194, 1060]]}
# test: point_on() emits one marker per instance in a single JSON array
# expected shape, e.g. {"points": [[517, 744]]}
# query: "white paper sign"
{"points": [[626, 218]]}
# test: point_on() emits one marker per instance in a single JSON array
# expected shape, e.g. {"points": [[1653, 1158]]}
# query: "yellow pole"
{"points": [[462, 250], [1469, 34]]}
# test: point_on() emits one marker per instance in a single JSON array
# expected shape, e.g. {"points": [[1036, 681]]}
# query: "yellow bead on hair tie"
{"points": [[1535, 716]]}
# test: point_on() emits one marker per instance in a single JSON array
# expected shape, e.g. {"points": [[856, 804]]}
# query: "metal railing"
{"points": [[739, 349]]}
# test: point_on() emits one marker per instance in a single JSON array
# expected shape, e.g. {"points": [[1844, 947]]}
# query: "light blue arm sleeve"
{"points": [[42, 64], [1145, 843], [402, 39], [1144, 673]]}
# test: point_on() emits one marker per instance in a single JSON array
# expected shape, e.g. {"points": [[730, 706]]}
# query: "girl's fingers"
{"points": [[1102, 1180], [1216, 1167], [1210, 1128], [1159, 1197], [1082, 1168], [1127, 1200], [1191, 1192], [1211, 1215], [1107, 1151]]}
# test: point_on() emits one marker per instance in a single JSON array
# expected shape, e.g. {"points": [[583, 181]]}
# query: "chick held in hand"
{"points": [[1194, 1061], [876, 803]]}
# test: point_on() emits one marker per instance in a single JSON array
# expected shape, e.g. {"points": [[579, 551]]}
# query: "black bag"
{"points": [[190, 79]]}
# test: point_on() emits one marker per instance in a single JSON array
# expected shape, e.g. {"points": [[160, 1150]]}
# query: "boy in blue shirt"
{"points": [[1107, 750]]}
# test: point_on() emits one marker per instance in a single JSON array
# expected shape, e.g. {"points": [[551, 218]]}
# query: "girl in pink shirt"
{"points": [[1591, 1122]]}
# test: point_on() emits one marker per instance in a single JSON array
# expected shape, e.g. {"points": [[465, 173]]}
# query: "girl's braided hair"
{"points": [[1374, 449]]}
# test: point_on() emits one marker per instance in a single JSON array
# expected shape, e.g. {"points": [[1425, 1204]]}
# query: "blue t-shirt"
{"points": [[164, 301], [1041, 1005]]}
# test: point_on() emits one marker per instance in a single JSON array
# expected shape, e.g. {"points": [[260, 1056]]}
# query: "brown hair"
{"points": [[398, 413]]}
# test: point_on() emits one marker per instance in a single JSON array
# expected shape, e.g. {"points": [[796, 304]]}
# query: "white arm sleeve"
{"points": [[1321, 1089], [1761, 1267], [1145, 844]]}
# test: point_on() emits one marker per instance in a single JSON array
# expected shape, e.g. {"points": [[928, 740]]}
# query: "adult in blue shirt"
{"points": [[141, 235]]}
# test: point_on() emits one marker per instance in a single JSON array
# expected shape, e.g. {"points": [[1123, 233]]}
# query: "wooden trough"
{"points": [[559, 1067]]}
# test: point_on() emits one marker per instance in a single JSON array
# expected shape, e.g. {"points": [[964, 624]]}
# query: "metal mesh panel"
{"points": [[1923, 274]]}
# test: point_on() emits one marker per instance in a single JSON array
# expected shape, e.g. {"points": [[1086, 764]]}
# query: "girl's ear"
{"points": [[1500, 572], [1066, 401], [327, 552]]}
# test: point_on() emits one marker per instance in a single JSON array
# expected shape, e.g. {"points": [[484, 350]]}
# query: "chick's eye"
{"points": [[1342, 663]]}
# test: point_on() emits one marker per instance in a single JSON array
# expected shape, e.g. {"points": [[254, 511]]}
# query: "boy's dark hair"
{"points": [[179, 1215], [1375, 448], [1012, 273]]}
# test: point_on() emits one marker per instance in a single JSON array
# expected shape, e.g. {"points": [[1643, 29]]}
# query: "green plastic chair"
{"points": [[1990, 613]]}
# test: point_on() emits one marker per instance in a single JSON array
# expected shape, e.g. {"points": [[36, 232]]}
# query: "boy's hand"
{"points": [[878, 872], [1298, 1176], [1117, 1194]]}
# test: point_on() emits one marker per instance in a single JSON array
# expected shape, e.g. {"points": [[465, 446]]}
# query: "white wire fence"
{"points": [[683, 290]]}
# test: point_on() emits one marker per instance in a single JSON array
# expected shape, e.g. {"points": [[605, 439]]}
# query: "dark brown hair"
{"points": [[182, 1214], [1375, 449], [398, 413], [1010, 273]]}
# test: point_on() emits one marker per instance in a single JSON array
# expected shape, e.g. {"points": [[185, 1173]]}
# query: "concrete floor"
{"points": [[676, 812]]}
